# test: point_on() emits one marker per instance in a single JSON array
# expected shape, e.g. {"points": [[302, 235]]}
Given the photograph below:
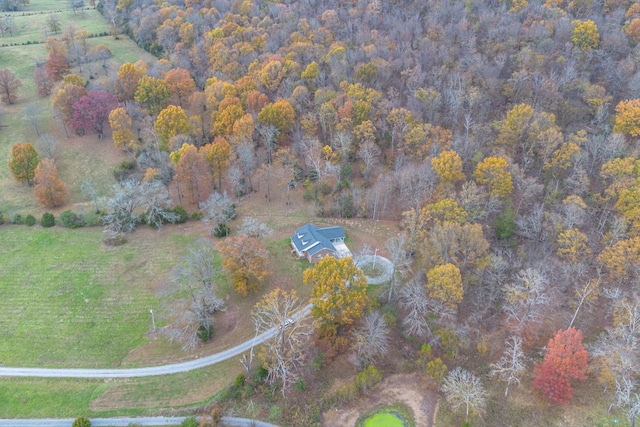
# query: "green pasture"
{"points": [[75, 165], [68, 398], [69, 301], [32, 27]]}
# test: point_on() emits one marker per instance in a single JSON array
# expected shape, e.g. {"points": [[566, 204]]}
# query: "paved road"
{"points": [[123, 422], [152, 370]]}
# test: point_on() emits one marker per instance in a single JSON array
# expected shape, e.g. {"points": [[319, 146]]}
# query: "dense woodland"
{"points": [[501, 135]]}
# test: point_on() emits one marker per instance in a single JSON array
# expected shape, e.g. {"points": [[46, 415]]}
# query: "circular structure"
{"points": [[385, 419], [378, 269]]}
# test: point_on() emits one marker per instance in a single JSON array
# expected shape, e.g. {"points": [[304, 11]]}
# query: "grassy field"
{"points": [[31, 26], [70, 301], [78, 158], [40, 398]]}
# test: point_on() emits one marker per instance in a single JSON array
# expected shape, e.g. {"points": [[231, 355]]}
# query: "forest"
{"points": [[502, 137]]}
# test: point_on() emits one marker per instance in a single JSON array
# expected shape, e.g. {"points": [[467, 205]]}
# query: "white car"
{"points": [[286, 323]]}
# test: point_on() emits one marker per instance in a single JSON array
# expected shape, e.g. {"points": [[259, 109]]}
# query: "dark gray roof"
{"points": [[313, 239]]}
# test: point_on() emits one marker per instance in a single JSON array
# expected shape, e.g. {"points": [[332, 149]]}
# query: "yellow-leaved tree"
{"points": [[444, 283], [448, 167], [628, 117], [494, 173], [339, 294], [171, 121], [585, 35], [573, 245], [123, 137]]}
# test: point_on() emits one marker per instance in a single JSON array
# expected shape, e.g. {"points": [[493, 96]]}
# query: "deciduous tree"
{"points": [[57, 66], [218, 210], [585, 35], [181, 85], [245, 261], [171, 121], [371, 339], [63, 98], [127, 82], [339, 294], [448, 167], [23, 162], [279, 114], [43, 81], [49, 189], [9, 86], [123, 137], [462, 388], [197, 295], [565, 360], [511, 365], [628, 117], [152, 93], [494, 173], [92, 110], [444, 282], [283, 355], [192, 175], [218, 155]]}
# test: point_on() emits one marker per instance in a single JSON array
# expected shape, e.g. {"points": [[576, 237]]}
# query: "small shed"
{"points": [[313, 243]]}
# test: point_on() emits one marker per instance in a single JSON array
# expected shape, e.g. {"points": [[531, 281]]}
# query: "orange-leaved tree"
{"points": [[339, 294], [49, 189], [244, 258], [192, 177], [565, 360], [23, 162]]}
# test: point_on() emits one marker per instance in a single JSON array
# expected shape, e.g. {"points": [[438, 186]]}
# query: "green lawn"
{"points": [[69, 301], [68, 398]]}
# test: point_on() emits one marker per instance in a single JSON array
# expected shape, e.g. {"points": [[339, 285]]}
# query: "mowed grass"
{"points": [[78, 158], [69, 398], [33, 28], [69, 301]]}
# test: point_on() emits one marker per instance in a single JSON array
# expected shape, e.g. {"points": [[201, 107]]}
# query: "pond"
{"points": [[385, 419]]}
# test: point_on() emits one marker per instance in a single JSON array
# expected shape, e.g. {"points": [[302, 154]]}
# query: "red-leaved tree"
{"points": [[565, 360], [91, 111]]}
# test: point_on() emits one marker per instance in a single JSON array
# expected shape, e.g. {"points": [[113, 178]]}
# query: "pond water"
{"points": [[386, 419]]}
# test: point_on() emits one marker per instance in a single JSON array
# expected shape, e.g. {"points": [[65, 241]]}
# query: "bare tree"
{"points": [[586, 294], [131, 199], [398, 257], [368, 153], [89, 189], [269, 134], [196, 296], [284, 354], [461, 387], [371, 340], [254, 228], [414, 300], [512, 363], [218, 210], [525, 299], [47, 146]]}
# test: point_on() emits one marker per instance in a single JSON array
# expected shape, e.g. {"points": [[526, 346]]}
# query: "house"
{"points": [[313, 243]]}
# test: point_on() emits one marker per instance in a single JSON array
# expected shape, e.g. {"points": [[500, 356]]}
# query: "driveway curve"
{"points": [[174, 368]]}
